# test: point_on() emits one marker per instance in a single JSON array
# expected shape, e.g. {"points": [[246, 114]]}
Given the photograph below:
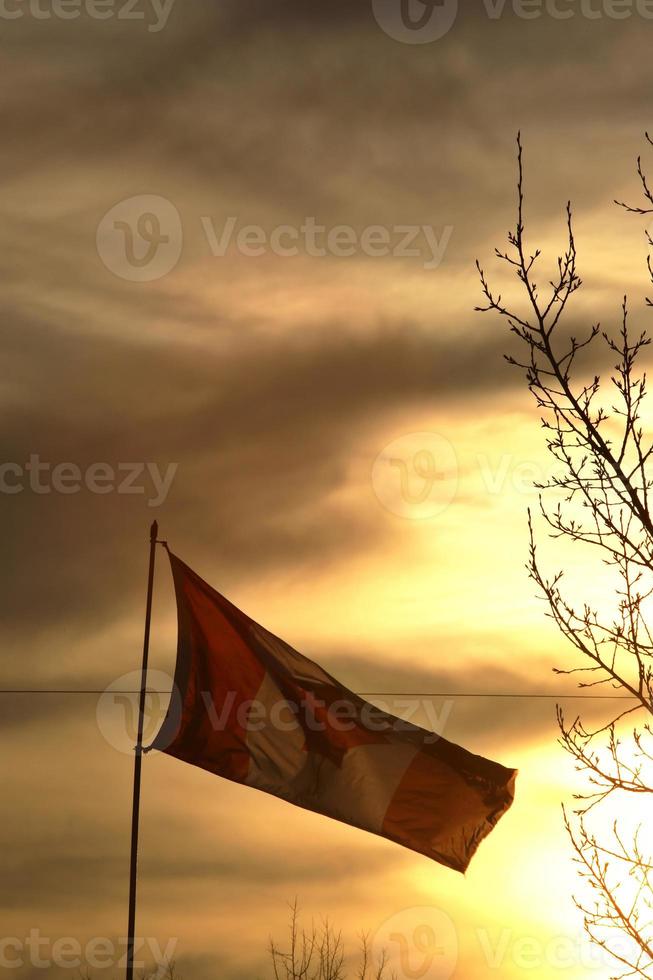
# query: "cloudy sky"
{"points": [[209, 291]]}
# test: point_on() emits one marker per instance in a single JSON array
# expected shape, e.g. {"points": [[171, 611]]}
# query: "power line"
{"points": [[374, 694]]}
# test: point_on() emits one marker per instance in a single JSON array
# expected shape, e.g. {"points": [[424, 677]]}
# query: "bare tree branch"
{"points": [[599, 497]]}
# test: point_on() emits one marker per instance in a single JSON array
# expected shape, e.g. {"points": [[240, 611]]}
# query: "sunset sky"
{"points": [[271, 384]]}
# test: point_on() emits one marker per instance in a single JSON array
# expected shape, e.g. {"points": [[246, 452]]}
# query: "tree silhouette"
{"points": [[598, 497], [319, 954]]}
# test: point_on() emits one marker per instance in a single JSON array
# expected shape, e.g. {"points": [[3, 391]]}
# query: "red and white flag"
{"points": [[251, 709]]}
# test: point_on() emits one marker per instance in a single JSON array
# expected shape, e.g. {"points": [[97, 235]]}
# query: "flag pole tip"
{"points": [[154, 530]]}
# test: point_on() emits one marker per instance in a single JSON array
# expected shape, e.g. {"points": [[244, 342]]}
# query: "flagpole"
{"points": [[138, 760]]}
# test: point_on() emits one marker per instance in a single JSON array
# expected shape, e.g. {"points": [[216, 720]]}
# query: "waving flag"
{"points": [[255, 711]]}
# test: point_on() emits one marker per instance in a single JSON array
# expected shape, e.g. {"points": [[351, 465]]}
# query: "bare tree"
{"points": [[598, 497], [319, 954]]}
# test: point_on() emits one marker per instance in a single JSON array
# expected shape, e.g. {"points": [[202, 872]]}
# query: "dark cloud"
{"points": [[258, 434], [66, 878]]}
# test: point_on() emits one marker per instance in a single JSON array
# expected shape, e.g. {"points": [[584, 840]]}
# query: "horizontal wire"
{"points": [[379, 694]]}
